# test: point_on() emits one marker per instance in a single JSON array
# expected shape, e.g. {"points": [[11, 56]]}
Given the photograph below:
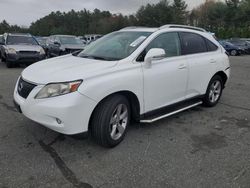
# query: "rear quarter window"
{"points": [[211, 46], [192, 43]]}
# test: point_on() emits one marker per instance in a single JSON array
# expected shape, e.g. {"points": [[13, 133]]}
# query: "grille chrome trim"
{"points": [[24, 88]]}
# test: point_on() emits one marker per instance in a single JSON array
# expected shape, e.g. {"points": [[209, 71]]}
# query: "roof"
{"points": [[168, 26], [134, 28], [64, 35], [19, 34]]}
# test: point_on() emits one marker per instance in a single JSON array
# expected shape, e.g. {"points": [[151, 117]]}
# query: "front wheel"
{"points": [[214, 91], [9, 64], [110, 121]]}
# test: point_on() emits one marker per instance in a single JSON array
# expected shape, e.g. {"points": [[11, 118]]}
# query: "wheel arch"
{"points": [[223, 77], [133, 101]]}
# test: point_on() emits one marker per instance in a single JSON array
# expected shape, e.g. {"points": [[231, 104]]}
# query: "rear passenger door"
{"points": [[201, 57]]}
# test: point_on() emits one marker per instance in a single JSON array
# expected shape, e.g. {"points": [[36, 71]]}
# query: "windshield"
{"points": [[227, 43], [21, 40], [115, 46], [70, 40], [41, 41]]}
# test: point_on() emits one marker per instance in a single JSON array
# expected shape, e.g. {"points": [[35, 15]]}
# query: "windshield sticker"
{"points": [[138, 41]]}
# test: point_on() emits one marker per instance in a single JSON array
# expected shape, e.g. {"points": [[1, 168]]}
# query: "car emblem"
{"points": [[20, 87]]}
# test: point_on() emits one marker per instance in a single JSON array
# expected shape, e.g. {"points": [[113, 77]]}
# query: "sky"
{"points": [[23, 12]]}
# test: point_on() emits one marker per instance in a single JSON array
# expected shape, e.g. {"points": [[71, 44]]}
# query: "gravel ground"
{"points": [[202, 147]]}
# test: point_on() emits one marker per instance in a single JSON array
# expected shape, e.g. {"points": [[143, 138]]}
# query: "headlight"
{"points": [[57, 89], [11, 51], [42, 52]]}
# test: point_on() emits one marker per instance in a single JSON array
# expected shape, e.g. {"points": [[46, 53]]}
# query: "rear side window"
{"points": [[192, 43], [211, 46]]}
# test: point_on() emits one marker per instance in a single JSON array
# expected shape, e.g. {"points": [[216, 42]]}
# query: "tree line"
{"points": [[229, 18]]}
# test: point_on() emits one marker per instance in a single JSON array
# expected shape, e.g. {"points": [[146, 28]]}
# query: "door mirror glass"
{"points": [[154, 54]]}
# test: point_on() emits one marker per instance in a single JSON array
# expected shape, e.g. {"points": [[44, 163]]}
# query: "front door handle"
{"points": [[182, 66]]}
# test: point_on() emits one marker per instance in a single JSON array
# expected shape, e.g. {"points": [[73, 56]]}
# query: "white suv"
{"points": [[142, 74]]}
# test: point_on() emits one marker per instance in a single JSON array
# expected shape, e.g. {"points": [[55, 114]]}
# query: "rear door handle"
{"points": [[212, 61], [182, 66]]}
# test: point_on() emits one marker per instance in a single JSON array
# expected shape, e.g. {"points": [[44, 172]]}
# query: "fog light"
{"points": [[58, 121]]}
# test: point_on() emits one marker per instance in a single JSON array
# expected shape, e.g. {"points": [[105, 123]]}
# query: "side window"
{"points": [[56, 39], [192, 43], [170, 42], [211, 46], [53, 39], [1, 39]]}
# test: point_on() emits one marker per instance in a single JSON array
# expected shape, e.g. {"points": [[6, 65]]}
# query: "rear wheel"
{"points": [[110, 121], [214, 91], [233, 53]]}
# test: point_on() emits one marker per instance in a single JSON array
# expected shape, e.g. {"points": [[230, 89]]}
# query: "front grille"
{"points": [[28, 52], [24, 88]]}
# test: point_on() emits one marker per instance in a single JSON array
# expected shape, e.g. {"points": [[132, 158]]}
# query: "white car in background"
{"points": [[141, 74]]}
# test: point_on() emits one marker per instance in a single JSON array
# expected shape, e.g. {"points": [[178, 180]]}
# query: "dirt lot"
{"points": [[202, 147]]}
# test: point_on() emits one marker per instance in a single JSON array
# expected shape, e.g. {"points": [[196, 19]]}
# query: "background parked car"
{"points": [[231, 48], [19, 48], [90, 38], [242, 44], [63, 44], [42, 42]]}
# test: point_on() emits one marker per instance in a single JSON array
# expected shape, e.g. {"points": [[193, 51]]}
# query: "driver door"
{"points": [[165, 83]]}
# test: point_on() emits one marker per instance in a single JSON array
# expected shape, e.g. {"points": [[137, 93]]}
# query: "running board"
{"points": [[171, 113]]}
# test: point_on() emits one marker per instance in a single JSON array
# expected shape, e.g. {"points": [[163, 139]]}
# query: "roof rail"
{"points": [[134, 27], [22, 34], [183, 27]]}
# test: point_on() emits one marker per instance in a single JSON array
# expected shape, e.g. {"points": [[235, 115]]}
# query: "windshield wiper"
{"points": [[98, 58]]}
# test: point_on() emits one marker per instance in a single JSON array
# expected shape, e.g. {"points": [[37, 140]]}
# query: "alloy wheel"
{"points": [[118, 121], [215, 91]]}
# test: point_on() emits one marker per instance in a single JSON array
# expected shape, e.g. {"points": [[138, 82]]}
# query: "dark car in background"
{"points": [[231, 48], [63, 44], [42, 42], [17, 48], [243, 44]]}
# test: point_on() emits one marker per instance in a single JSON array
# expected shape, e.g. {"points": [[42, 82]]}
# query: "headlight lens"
{"points": [[11, 51], [42, 52], [57, 89]]}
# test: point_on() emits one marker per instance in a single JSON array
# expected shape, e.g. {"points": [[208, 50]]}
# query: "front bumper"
{"points": [[24, 58], [72, 110]]}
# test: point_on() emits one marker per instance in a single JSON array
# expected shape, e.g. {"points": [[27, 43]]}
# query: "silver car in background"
{"points": [[17, 48]]}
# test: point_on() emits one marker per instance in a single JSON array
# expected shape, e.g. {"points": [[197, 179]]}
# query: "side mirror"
{"points": [[154, 54], [57, 43]]}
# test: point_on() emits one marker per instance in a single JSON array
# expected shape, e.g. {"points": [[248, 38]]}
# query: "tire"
{"points": [[233, 53], [104, 132], [9, 64], [214, 91]]}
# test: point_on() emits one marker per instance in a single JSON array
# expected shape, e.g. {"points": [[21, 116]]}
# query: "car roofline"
{"points": [[168, 26]]}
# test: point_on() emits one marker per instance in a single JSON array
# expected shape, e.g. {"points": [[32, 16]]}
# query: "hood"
{"points": [[72, 46], [64, 68], [23, 47]]}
